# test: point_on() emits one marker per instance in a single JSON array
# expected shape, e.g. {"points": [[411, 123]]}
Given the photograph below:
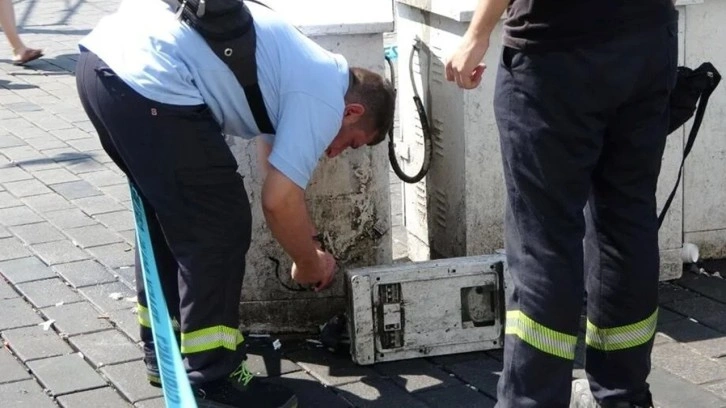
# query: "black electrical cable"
{"points": [[423, 118]]}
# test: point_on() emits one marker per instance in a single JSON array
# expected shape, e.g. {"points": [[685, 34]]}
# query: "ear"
{"points": [[353, 112]]}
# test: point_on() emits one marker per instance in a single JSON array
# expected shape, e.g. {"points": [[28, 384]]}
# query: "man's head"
{"points": [[368, 116]]}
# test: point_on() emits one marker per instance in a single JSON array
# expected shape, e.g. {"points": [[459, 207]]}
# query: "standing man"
{"points": [[161, 102], [581, 104]]}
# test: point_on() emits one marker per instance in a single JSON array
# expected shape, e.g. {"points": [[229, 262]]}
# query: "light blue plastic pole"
{"points": [[174, 380]]}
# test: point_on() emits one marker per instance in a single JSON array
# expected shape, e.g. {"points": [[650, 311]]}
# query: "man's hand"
{"points": [[321, 278], [464, 65]]}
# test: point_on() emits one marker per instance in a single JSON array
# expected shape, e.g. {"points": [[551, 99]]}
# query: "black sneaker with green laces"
{"points": [[240, 389]]}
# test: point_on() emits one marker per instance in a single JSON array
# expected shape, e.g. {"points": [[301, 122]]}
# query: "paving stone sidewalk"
{"points": [[67, 318]]}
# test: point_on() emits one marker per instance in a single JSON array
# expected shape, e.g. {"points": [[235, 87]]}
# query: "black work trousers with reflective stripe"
{"points": [[582, 127], [196, 206]]}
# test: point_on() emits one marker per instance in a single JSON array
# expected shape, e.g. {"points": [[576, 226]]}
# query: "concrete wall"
{"points": [[704, 199], [349, 202]]}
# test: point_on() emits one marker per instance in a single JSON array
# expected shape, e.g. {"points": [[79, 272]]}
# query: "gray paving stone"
{"points": [[70, 218], [53, 373], [130, 379], [16, 313], [86, 165], [84, 273], [37, 233], [93, 235], [127, 321], [719, 389], [100, 295], [706, 341], [77, 318], [666, 316], [49, 122], [103, 158], [66, 154], [8, 200], [25, 155], [118, 221], [48, 292], [704, 310], [331, 369], [103, 178], [98, 205], [114, 255], [59, 252], [416, 375], [55, 176], [451, 359], [88, 144], [24, 394], [107, 347], [661, 338], [129, 236], [12, 248], [8, 140], [460, 396], [25, 269], [12, 369], [481, 373], [310, 393], [76, 189], [154, 403], [4, 233], [671, 391], [18, 216], [269, 364], [377, 392], [99, 398], [70, 134], [119, 192], [32, 343], [45, 142], [47, 202], [712, 287], [27, 188], [10, 174], [126, 274], [6, 291], [684, 362]]}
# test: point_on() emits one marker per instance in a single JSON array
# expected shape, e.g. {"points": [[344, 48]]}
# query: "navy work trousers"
{"points": [[583, 127], [197, 208]]}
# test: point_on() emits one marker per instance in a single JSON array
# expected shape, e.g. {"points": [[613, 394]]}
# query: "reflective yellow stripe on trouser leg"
{"points": [[211, 338], [143, 315], [622, 337], [144, 318], [539, 336]]}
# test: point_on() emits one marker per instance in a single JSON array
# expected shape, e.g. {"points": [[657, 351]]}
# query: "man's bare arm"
{"points": [[283, 203], [486, 16]]}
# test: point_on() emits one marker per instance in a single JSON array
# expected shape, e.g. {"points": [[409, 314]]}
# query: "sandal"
{"points": [[28, 55]]}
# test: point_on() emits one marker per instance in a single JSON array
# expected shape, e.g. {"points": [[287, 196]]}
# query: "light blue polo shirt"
{"points": [[165, 60]]}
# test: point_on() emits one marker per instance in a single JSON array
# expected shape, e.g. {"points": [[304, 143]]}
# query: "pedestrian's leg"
{"points": [[546, 107], [21, 53], [622, 246]]}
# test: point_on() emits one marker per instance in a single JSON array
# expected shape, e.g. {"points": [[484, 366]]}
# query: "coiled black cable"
{"points": [[423, 118]]}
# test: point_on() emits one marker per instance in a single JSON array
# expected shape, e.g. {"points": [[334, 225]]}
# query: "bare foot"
{"points": [[26, 55]]}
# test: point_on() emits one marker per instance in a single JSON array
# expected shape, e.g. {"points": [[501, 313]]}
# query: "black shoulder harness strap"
{"points": [[228, 28], [692, 87]]}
